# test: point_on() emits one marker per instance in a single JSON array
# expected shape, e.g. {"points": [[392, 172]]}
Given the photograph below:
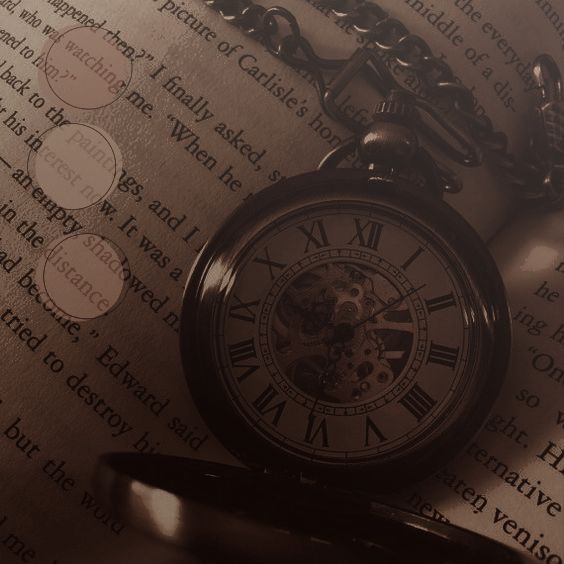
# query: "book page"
{"points": [[509, 482], [117, 168]]}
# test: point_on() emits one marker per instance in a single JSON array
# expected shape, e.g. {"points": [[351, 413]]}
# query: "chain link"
{"points": [[395, 44]]}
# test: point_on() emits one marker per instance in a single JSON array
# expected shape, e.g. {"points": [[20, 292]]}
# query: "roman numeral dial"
{"points": [[446, 356], [315, 234], [367, 234], [372, 433], [244, 311], [274, 266], [441, 302], [317, 432], [270, 404], [344, 334], [412, 258], [418, 402], [243, 356]]}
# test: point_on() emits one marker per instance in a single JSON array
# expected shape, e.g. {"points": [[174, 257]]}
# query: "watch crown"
{"points": [[391, 140]]}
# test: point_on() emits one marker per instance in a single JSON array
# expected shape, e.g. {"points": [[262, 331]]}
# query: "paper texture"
{"points": [[207, 118]]}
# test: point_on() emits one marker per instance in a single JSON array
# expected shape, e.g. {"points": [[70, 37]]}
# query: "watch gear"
{"points": [[340, 295]]}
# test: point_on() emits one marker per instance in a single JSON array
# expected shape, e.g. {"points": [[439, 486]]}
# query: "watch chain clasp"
{"points": [[548, 142], [381, 139], [390, 145]]}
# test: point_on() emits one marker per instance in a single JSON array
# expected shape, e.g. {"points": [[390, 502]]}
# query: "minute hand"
{"points": [[388, 306]]}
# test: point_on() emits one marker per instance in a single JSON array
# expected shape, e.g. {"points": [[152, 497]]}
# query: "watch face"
{"points": [[343, 328]]}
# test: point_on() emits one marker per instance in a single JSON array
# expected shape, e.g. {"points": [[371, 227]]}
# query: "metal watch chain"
{"points": [[462, 134]]}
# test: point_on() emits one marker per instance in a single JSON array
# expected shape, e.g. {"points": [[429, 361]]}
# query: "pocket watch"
{"points": [[345, 327]]}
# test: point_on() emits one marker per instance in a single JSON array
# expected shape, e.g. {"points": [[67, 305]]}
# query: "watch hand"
{"points": [[345, 334], [388, 306], [371, 282]]}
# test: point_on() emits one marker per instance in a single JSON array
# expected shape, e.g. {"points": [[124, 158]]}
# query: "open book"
{"points": [[198, 118]]}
